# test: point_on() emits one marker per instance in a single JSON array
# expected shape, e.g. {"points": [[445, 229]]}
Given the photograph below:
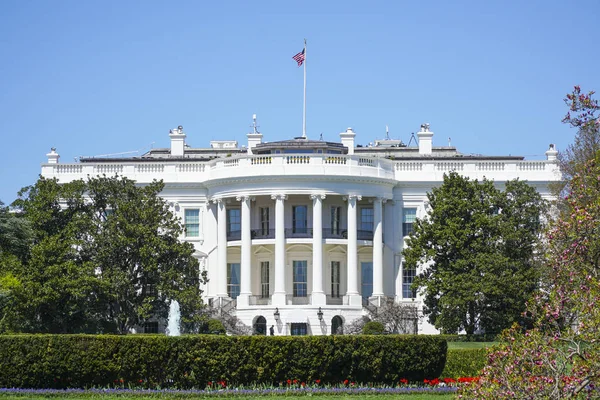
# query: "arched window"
{"points": [[260, 326], [337, 325]]}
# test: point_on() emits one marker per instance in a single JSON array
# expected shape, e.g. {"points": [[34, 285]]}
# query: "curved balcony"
{"points": [[300, 233]]}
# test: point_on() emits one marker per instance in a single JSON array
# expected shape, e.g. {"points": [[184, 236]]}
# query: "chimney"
{"points": [[255, 137], [425, 139], [53, 156], [551, 153], [177, 141], [348, 140]]}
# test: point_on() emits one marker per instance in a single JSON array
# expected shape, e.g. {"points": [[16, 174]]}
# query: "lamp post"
{"points": [[320, 314], [276, 314]]}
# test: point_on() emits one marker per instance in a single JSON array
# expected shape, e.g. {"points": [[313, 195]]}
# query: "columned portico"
{"points": [[318, 295], [352, 296], [221, 247], [279, 294], [246, 252], [378, 247]]}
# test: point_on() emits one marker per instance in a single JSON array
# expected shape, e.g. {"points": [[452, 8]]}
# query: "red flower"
{"points": [[209, 383], [345, 381], [289, 381], [317, 381], [303, 384], [295, 381], [141, 381], [404, 381]]}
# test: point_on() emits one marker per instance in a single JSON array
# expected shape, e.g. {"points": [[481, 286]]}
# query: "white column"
{"points": [[246, 259], [377, 248], [352, 296], [318, 295], [221, 248], [279, 293]]}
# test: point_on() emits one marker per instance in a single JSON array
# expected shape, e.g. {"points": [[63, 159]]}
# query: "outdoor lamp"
{"points": [[320, 314], [276, 314]]}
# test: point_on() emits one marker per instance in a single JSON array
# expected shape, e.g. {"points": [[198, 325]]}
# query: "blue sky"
{"points": [[101, 77]]}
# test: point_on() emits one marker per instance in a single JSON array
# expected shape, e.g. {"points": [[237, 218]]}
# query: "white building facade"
{"points": [[304, 235]]}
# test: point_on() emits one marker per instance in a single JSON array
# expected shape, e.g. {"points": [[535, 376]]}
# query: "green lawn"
{"points": [[470, 345], [191, 397]]}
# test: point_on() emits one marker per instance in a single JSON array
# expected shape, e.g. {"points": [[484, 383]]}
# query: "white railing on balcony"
{"points": [[490, 166], [152, 168], [69, 168], [108, 169], [190, 167], [409, 166], [307, 164], [532, 166]]}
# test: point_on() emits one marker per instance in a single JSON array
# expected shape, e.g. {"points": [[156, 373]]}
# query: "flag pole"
{"points": [[304, 109]]}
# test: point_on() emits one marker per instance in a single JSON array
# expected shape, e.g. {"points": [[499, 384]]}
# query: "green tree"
{"points": [[136, 250], [477, 251], [106, 258], [15, 242]]}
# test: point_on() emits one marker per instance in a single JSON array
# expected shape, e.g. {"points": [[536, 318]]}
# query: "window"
{"points": [[264, 221], [234, 220], [335, 279], [299, 329], [367, 218], [337, 325], [192, 222], [300, 216], [233, 280], [151, 327], [300, 279], [264, 279], [409, 216], [366, 279], [408, 276], [336, 214], [260, 326]]}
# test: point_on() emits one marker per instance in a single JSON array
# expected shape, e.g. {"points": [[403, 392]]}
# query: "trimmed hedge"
{"points": [[464, 363], [62, 361], [485, 337]]}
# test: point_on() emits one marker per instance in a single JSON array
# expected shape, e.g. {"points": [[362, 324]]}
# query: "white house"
{"points": [[302, 234]]}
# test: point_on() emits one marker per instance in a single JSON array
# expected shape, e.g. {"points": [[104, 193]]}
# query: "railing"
{"points": [[291, 300], [335, 233], [364, 235], [262, 233], [234, 235], [298, 233], [305, 164], [260, 301]]}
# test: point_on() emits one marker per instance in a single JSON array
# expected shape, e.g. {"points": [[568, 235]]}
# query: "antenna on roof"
{"points": [[412, 137], [254, 125], [387, 133], [321, 137], [449, 141]]}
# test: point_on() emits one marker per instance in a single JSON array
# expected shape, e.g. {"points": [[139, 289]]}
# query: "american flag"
{"points": [[299, 58]]}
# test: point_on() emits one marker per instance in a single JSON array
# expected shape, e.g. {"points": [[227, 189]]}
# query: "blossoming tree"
{"points": [[560, 357]]}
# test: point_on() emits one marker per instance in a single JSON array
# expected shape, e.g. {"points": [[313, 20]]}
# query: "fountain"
{"points": [[174, 319]]}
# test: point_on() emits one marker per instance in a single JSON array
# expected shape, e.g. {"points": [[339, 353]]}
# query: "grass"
{"points": [[420, 396], [470, 345]]}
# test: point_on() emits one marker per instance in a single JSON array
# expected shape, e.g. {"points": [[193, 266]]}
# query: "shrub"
{"points": [[464, 363], [62, 361], [373, 328], [215, 326]]}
